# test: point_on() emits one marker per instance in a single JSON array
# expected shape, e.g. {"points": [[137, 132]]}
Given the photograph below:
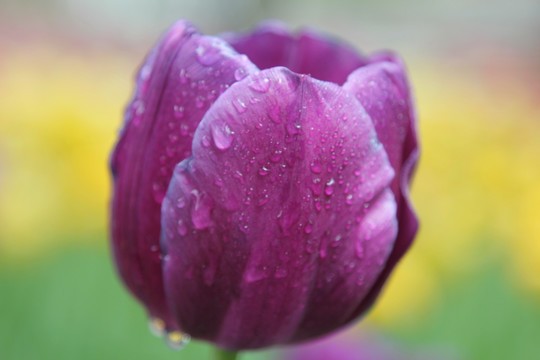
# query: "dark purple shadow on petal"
{"points": [[277, 226], [308, 52], [383, 89], [269, 45], [180, 80]]}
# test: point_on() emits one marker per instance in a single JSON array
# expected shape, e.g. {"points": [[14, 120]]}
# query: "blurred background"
{"points": [[468, 289]]}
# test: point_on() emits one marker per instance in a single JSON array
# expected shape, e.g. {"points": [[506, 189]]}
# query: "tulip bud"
{"points": [[261, 184]]}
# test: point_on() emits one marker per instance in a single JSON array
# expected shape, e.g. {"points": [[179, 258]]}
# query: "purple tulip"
{"points": [[261, 184]]}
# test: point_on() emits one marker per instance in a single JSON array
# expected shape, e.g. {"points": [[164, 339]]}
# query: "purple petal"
{"points": [[383, 90], [362, 346], [269, 45], [181, 78], [309, 52], [277, 226]]}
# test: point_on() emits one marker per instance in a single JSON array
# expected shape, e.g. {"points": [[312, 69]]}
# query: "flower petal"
{"points": [[181, 78], [268, 45], [282, 218], [382, 88], [308, 52]]}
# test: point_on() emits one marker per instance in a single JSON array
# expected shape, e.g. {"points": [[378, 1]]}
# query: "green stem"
{"points": [[225, 355]]}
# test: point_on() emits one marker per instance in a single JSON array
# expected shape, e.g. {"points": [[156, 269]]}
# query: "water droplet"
{"points": [[178, 111], [316, 186], [316, 167], [238, 175], [205, 141], [184, 129], [359, 249], [177, 340], [336, 241], [139, 107], [244, 228], [145, 72], [276, 156], [329, 190], [263, 200], [183, 76], [207, 54], [240, 73], [223, 136], [181, 228], [180, 202], [199, 102], [264, 171], [275, 114], [211, 95], [240, 105], [158, 192], [287, 218], [260, 84], [201, 212], [156, 326], [256, 273]]}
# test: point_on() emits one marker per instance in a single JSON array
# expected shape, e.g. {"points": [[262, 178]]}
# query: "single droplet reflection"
{"points": [[157, 327], [177, 340]]}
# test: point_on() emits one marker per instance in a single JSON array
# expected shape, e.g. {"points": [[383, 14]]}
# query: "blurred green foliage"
{"points": [[70, 305]]}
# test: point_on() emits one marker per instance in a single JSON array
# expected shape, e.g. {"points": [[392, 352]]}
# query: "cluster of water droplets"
{"points": [[194, 92]]}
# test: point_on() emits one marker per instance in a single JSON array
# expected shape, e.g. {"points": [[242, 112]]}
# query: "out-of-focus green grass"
{"points": [[482, 317], [71, 305]]}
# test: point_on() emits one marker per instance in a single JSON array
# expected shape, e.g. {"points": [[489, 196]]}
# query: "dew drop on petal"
{"points": [[183, 76], [156, 326], [158, 192], [199, 102], [359, 250], [201, 212], [180, 202], [177, 340], [256, 273], [223, 136], [260, 84], [316, 167], [207, 54], [181, 228], [205, 142], [178, 111], [240, 73], [329, 190], [264, 171], [240, 106]]}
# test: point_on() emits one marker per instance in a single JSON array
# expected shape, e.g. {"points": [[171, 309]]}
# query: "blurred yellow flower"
{"points": [[58, 119], [476, 191]]}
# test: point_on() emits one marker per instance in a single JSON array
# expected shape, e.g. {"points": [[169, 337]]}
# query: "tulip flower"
{"points": [[261, 184]]}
